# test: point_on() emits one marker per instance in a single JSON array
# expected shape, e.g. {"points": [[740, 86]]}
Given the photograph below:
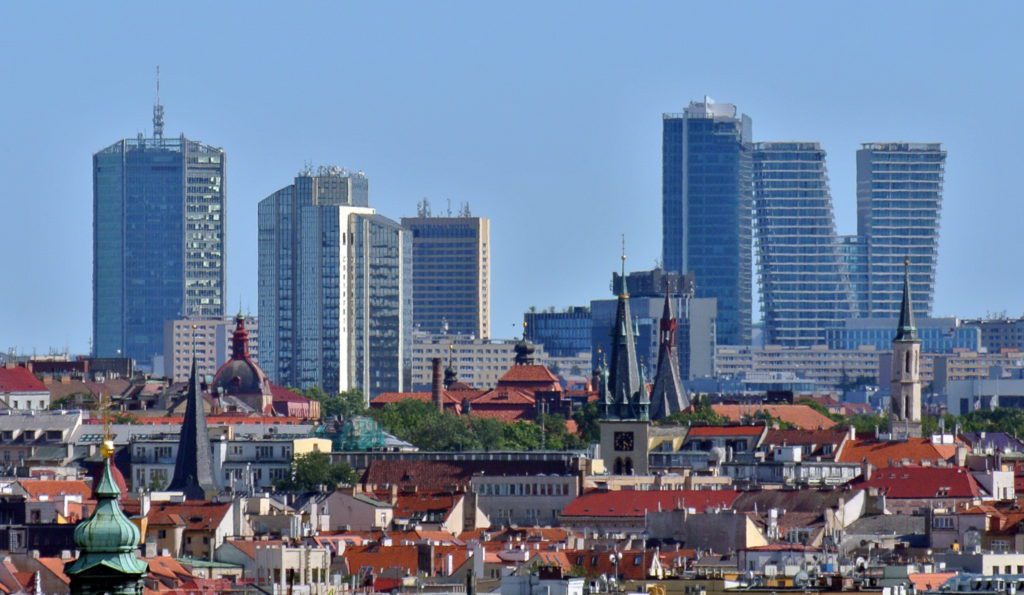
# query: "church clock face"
{"points": [[623, 441]]}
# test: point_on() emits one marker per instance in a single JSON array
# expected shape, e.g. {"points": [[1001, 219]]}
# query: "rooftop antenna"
{"points": [[158, 110]]}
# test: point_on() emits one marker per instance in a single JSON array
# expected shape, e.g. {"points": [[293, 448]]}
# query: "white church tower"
{"points": [[905, 404]]}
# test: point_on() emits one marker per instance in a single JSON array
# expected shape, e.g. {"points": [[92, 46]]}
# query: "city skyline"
{"points": [[509, 181]]}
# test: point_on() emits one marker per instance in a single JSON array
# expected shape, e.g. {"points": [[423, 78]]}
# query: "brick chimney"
{"points": [[437, 384]]}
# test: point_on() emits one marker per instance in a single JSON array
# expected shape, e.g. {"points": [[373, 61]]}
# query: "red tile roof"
{"points": [[804, 437], [56, 568], [923, 483], [882, 454], [198, 516], [20, 380], [531, 373], [439, 474], [929, 581], [632, 566], [53, 488], [248, 547], [378, 558], [709, 431], [636, 503], [800, 416], [281, 394]]}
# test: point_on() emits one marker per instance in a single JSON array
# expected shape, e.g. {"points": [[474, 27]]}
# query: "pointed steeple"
{"points": [[667, 395], [107, 542], [193, 467], [906, 330], [627, 394]]}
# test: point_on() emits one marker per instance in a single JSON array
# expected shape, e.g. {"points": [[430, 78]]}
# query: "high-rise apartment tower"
{"points": [[899, 202], [805, 288]]}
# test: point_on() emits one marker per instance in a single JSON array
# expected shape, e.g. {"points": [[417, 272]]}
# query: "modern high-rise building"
{"points": [[854, 251], [899, 201], [159, 212], [804, 286], [564, 333], [706, 208], [334, 300], [451, 272]]}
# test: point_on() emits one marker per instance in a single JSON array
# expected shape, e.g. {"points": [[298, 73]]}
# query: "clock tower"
{"points": [[624, 402]]}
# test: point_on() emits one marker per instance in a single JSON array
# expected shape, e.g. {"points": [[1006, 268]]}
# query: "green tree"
{"points": [[346, 405], [702, 413], [586, 419], [314, 469]]}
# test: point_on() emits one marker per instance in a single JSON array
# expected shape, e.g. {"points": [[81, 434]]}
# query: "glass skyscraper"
{"points": [[159, 211], [804, 286], [706, 209], [899, 201], [854, 250], [334, 300]]}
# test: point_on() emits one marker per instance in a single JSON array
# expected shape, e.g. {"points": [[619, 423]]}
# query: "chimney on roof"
{"points": [[437, 384]]}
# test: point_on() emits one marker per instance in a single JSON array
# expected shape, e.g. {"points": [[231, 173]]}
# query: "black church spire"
{"points": [[193, 468]]}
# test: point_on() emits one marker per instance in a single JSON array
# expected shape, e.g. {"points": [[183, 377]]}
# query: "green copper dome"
{"points": [[107, 538]]}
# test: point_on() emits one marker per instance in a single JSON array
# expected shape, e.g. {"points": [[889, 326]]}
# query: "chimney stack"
{"points": [[437, 384]]}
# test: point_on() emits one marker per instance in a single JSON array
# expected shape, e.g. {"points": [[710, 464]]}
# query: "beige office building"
{"points": [[451, 272], [211, 340]]}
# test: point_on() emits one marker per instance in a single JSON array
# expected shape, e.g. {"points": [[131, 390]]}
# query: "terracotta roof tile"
{"points": [[923, 483], [636, 503], [20, 380], [929, 581], [378, 559], [248, 547], [884, 454], [54, 488], [531, 373], [800, 416], [708, 431], [198, 516]]}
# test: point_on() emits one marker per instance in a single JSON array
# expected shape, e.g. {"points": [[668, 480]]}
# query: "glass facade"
{"points": [[854, 252], [451, 284], [803, 283], [563, 334], [706, 209], [333, 287], [158, 241], [938, 335], [899, 201]]}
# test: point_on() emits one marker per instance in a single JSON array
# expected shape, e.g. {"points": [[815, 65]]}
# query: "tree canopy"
{"points": [[314, 469], [423, 425]]}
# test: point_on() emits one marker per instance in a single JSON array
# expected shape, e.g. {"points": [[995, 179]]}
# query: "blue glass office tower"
{"points": [[899, 201], [563, 334], [159, 212], [803, 284], [706, 209], [854, 250], [334, 295]]}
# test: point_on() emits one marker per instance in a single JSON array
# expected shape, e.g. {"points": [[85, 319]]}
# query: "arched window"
{"points": [[907, 366], [629, 466], [618, 466]]}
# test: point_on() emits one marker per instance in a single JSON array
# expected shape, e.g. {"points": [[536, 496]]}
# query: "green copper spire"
{"points": [[906, 329], [106, 543]]}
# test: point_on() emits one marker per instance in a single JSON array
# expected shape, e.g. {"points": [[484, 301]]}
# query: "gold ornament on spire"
{"points": [[107, 447]]}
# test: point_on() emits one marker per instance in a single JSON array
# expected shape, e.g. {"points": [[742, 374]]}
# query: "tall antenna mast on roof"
{"points": [[158, 110]]}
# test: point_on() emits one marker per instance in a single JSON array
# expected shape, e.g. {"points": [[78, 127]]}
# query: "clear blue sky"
{"points": [[545, 117]]}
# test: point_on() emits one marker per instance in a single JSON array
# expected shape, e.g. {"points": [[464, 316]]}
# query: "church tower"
{"points": [[107, 543], [668, 396], [624, 402], [905, 402], [193, 467]]}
